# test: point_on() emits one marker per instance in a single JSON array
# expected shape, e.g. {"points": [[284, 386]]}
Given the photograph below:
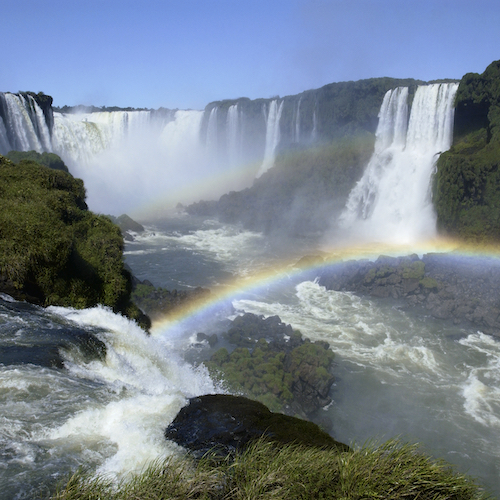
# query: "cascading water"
{"points": [[23, 126], [184, 160], [212, 132], [314, 132], [272, 135], [233, 134], [392, 202], [297, 122]]}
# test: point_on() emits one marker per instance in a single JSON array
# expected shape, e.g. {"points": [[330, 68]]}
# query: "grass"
{"points": [[392, 470]]}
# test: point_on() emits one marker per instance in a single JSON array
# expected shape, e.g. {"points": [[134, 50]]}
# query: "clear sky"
{"points": [[187, 53]]}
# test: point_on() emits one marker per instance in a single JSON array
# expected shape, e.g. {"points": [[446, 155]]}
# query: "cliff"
{"points": [[53, 250], [467, 183]]}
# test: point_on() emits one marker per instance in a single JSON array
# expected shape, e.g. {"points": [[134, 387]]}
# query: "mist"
{"points": [[143, 162]]}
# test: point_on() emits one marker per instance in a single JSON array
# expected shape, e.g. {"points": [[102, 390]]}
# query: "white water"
{"points": [[396, 374], [272, 135], [403, 376], [139, 160], [130, 159], [297, 122], [26, 124], [392, 201], [213, 133], [109, 415], [234, 137]]}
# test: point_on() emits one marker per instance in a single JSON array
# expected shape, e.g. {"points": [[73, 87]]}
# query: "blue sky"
{"points": [[187, 53]]}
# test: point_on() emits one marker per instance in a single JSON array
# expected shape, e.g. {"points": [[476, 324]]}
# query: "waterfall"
{"points": [[272, 135], [297, 122], [392, 201], [233, 134], [23, 126], [314, 132], [212, 132]]}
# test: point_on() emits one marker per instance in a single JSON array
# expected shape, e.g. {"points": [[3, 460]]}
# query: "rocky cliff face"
{"points": [[466, 186]]}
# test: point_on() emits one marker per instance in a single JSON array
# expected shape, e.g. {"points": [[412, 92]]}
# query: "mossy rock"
{"points": [[277, 373], [429, 283], [415, 270], [223, 424]]}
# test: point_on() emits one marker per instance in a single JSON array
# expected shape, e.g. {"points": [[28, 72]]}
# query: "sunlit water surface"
{"points": [[397, 373]]}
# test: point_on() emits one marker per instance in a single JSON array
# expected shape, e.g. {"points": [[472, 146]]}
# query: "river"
{"points": [[397, 373]]}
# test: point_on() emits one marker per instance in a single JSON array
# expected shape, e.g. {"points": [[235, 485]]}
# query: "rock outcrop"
{"points": [[223, 424], [465, 290], [275, 365]]}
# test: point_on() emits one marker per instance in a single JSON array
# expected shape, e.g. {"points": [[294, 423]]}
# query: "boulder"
{"points": [[223, 424]]}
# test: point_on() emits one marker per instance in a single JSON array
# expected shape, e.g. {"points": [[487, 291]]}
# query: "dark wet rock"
{"points": [[223, 424], [211, 339], [464, 290], [158, 302]]}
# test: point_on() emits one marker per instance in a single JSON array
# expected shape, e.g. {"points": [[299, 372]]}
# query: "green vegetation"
{"points": [[390, 471], [50, 160], [308, 186], [302, 191], [272, 372], [53, 251], [414, 270], [467, 183]]}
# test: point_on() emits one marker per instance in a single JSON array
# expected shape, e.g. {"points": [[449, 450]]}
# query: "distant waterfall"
{"points": [[233, 128], [314, 132], [272, 135], [392, 200], [212, 131], [297, 122], [23, 126]]}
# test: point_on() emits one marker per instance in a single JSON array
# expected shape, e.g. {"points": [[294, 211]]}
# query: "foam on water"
{"points": [[151, 381], [481, 391], [356, 328], [239, 250], [108, 413]]}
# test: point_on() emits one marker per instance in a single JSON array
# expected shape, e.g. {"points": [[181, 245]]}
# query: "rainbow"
{"points": [[204, 186], [196, 310]]}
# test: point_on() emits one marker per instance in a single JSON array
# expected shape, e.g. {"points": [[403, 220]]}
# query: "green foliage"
{"points": [[268, 375], [302, 191], [391, 471], [52, 248], [414, 270], [50, 160], [429, 283], [467, 184]]}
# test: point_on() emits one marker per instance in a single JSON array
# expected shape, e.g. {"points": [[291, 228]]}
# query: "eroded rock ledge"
{"points": [[465, 290]]}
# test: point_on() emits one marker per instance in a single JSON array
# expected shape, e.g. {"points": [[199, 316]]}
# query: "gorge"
{"points": [[332, 158]]}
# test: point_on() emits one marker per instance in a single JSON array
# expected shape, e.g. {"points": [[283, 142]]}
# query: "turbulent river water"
{"points": [[397, 373]]}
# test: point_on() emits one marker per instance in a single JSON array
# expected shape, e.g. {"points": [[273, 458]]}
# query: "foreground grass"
{"points": [[390, 471]]}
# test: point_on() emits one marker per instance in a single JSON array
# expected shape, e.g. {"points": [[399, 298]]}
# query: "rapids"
{"points": [[398, 373]]}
